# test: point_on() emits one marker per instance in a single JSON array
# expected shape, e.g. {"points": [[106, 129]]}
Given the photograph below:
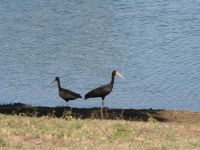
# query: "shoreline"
{"points": [[160, 115]]}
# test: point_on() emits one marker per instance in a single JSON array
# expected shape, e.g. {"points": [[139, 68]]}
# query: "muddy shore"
{"points": [[160, 115]]}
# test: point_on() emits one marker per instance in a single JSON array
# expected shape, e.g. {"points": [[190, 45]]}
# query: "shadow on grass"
{"points": [[81, 113]]}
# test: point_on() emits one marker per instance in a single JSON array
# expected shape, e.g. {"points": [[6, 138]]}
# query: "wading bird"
{"points": [[104, 90], [66, 94]]}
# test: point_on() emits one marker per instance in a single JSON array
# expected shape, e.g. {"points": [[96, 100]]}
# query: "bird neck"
{"points": [[112, 79], [59, 87]]}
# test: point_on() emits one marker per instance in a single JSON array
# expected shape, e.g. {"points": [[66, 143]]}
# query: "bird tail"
{"points": [[79, 96], [86, 97]]}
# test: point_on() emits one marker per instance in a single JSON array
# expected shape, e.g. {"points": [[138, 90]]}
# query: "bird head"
{"points": [[56, 79], [116, 73]]}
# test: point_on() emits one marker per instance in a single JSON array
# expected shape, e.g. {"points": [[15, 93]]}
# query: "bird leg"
{"points": [[102, 106], [67, 104], [105, 110]]}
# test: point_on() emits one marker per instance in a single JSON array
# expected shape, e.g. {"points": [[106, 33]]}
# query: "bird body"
{"points": [[66, 94], [101, 91], [104, 90]]}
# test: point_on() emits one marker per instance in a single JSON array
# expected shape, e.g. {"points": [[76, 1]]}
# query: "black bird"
{"points": [[104, 90], [66, 94]]}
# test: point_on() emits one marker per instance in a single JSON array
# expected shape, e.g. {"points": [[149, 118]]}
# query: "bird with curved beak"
{"points": [[66, 94], [104, 90]]}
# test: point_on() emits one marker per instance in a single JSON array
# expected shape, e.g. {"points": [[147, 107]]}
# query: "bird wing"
{"points": [[99, 92], [68, 94]]}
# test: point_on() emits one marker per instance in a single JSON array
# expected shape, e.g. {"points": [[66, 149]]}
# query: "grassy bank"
{"points": [[22, 132]]}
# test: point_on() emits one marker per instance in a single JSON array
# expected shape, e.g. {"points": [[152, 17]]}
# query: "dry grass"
{"points": [[22, 132]]}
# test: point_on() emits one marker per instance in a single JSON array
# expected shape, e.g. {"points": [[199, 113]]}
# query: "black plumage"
{"points": [[104, 90], [66, 94]]}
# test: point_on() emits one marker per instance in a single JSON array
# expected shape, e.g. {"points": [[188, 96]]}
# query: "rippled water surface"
{"points": [[154, 43]]}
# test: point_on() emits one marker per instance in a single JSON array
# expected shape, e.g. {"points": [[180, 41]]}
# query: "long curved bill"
{"points": [[53, 81], [118, 74]]}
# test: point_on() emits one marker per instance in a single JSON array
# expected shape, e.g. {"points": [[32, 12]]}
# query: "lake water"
{"points": [[155, 44]]}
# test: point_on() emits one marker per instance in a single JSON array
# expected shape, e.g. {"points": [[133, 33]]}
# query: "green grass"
{"points": [[21, 132]]}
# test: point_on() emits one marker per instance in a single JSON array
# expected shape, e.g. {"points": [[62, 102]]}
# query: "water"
{"points": [[154, 44]]}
